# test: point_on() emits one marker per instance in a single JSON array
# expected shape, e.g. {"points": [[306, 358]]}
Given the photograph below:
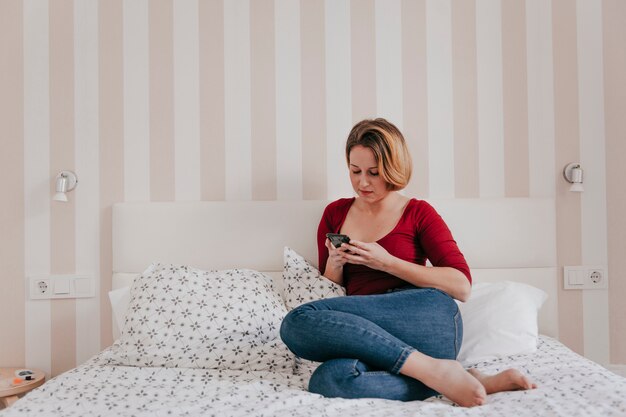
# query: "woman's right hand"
{"points": [[335, 262], [336, 259]]}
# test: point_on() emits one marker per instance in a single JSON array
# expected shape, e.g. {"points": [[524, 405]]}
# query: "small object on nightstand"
{"points": [[15, 382], [23, 372]]}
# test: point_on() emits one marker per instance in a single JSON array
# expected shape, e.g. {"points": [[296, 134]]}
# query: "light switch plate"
{"points": [[83, 286], [585, 278], [46, 287], [61, 286]]}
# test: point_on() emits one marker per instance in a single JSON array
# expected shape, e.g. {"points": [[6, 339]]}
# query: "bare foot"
{"points": [[446, 377], [509, 380]]}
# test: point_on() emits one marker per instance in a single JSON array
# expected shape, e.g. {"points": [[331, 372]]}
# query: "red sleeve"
{"points": [[323, 228], [437, 241], [332, 220]]}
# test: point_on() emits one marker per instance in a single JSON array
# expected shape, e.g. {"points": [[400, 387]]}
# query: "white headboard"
{"points": [[512, 238]]}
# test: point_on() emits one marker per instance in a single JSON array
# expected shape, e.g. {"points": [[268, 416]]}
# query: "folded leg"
{"points": [[351, 378]]}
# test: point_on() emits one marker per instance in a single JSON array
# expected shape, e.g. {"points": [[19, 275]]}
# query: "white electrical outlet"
{"points": [[42, 286], [595, 276], [585, 278], [61, 286]]}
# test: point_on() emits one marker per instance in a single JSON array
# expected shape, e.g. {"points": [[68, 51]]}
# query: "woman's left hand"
{"points": [[371, 255]]}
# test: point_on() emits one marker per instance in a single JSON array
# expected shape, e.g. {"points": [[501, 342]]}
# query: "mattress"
{"points": [[568, 385]]}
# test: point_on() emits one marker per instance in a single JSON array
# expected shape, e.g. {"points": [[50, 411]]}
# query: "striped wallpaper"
{"points": [[167, 100]]}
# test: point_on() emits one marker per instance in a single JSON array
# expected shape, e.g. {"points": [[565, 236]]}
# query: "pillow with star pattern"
{"points": [[182, 317], [303, 282]]}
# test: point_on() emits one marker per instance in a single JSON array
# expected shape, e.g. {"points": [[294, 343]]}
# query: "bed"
{"points": [[509, 243]]}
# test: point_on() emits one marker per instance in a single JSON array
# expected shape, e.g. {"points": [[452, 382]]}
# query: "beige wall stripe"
{"points": [[415, 97], [614, 34], [37, 177], [263, 100], [313, 67], [465, 102], [567, 143], [161, 51], [12, 350], [515, 100], [212, 150], [363, 57], [62, 215], [540, 79]]}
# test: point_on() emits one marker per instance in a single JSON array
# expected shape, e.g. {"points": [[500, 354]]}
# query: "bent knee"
{"points": [[351, 378], [285, 328], [294, 327], [334, 378]]}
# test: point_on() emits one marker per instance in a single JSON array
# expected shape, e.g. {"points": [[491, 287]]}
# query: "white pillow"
{"points": [[500, 319], [304, 283], [120, 298], [179, 316]]}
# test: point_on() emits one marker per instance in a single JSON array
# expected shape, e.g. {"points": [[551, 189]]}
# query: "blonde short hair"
{"points": [[389, 148]]}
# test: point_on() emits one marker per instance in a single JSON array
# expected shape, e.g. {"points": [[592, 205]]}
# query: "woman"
{"points": [[398, 333]]}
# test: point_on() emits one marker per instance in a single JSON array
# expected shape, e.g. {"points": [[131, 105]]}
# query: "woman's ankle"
{"points": [[447, 377]]}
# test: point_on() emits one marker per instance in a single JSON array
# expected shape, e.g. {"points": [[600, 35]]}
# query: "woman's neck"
{"points": [[388, 203]]}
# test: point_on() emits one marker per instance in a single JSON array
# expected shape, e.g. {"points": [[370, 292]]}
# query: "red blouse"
{"points": [[420, 234]]}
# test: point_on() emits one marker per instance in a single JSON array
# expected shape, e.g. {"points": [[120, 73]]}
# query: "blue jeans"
{"points": [[364, 341]]}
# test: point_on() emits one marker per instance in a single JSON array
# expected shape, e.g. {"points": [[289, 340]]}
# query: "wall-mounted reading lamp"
{"points": [[65, 181], [573, 174]]}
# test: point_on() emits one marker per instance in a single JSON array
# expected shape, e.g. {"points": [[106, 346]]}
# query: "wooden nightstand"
{"points": [[9, 391]]}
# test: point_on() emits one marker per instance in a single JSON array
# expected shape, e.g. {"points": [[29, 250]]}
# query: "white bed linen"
{"points": [[569, 385]]}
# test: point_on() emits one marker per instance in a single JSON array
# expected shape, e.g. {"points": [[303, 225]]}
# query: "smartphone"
{"points": [[337, 239]]}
